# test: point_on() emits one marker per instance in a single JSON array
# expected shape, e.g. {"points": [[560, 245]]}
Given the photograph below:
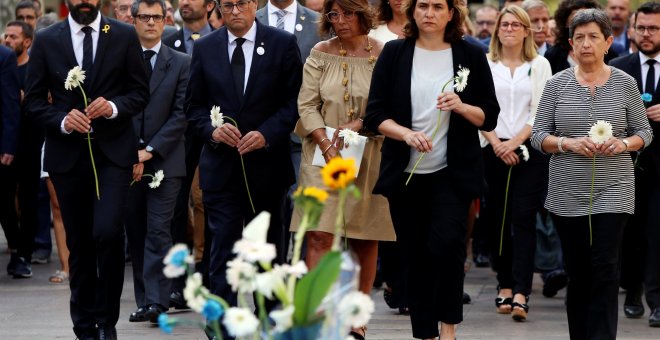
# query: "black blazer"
{"points": [[117, 75], [389, 98], [9, 101], [268, 106], [650, 157]]}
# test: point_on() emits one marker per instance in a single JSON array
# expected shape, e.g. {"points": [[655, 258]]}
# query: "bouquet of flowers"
{"points": [[311, 302]]}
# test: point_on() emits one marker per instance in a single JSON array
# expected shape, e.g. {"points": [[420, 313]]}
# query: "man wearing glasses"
{"points": [[644, 66], [253, 73], [160, 128], [123, 11]]}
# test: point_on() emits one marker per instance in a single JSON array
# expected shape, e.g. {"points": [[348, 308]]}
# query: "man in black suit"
{"points": [[253, 72], [644, 66], [160, 130], [9, 118], [116, 86]]}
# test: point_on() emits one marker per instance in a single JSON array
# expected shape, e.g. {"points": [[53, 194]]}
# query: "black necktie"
{"points": [[88, 51], [649, 87], [238, 67], [148, 54]]}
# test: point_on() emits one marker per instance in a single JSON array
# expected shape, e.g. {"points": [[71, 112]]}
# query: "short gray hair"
{"points": [[136, 6], [46, 20], [531, 4], [586, 16]]}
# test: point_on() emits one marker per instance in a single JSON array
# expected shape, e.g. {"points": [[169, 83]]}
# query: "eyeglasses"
{"points": [[146, 17], [334, 16], [514, 25], [651, 29], [228, 7]]}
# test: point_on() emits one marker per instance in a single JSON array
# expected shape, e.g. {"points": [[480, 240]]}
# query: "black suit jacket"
{"points": [[117, 75], [164, 120], [9, 101], [650, 157], [389, 98], [268, 106]]}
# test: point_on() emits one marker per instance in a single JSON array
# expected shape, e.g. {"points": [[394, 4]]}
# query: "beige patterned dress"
{"points": [[321, 103]]}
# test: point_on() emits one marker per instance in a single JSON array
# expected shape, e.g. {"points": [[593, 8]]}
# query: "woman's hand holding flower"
{"points": [[418, 140], [584, 146], [228, 134], [355, 125], [449, 101], [613, 146]]}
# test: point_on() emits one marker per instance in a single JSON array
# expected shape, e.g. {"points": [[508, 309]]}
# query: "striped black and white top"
{"points": [[567, 109]]}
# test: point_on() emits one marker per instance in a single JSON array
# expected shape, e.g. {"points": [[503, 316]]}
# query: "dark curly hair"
{"points": [[385, 13], [361, 8], [453, 31], [564, 10]]}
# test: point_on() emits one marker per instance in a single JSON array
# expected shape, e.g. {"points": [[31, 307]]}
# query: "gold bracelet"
{"points": [[323, 140], [326, 149]]}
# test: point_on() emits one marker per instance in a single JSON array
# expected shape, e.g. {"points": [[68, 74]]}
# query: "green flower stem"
{"points": [[339, 220], [506, 199], [89, 144], [297, 247], [263, 318], [435, 132], [216, 329], [247, 187], [591, 197], [143, 175]]}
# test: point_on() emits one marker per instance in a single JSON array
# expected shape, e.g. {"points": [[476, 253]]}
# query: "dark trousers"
{"points": [[95, 238], [633, 247], [593, 271], [227, 212], [652, 276], [8, 216], [527, 190], [148, 218], [430, 221]]}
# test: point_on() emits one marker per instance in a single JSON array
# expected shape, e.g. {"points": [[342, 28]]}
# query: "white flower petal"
{"points": [[355, 309], [600, 132], [257, 229], [240, 322], [241, 275], [195, 292], [350, 137], [525, 152], [283, 318], [216, 116]]}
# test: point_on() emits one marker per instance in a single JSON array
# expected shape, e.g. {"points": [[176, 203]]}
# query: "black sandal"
{"points": [[501, 301], [358, 336], [520, 313]]}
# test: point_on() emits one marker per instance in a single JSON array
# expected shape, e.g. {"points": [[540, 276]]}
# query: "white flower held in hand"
{"points": [[600, 132], [461, 78], [240, 322], [525, 152], [157, 178], [74, 78], [350, 137], [216, 116], [356, 308]]}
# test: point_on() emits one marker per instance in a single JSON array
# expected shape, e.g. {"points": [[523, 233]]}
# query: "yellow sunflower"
{"points": [[311, 192], [339, 173]]}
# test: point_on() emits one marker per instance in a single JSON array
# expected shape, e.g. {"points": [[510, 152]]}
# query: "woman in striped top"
{"points": [[572, 101]]}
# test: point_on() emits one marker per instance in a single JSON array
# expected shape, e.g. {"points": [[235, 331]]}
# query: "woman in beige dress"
{"points": [[336, 81]]}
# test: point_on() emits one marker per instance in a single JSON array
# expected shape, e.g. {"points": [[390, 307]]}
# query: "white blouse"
{"points": [[383, 34], [430, 71], [514, 94]]}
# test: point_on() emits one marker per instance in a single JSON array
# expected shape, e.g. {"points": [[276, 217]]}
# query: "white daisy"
{"points": [[600, 132], [240, 322], [195, 292], [350, 137], [355, 309], [241, 275], [254, 251], [216, 116], [268, 282], [156, 179], [74, 78], [283, 318], [177, 260], [461, 79], [525, 152]]}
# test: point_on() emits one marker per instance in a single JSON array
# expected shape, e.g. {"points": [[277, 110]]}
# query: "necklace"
{"points": [[352, 111]]}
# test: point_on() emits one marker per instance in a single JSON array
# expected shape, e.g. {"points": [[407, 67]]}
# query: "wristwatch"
{"points": [[627, 143], [149, 149]]}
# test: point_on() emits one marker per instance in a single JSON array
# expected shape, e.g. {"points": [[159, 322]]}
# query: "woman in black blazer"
{"points": [[429, 213]]}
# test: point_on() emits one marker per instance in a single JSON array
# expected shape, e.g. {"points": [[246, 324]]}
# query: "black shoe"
{"points": [[23, 269], [633, 307], [153, 312], [481, 261], [13, 261], [138, 315], [554, 282], [41, 256], [654, 319], [177, 301], [466, 298], [106, 333]]}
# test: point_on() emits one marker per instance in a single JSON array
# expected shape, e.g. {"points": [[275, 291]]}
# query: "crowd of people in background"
{"points": [[507, 164]]}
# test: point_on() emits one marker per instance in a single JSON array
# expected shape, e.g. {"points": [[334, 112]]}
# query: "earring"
{"points": [[606, 52]]}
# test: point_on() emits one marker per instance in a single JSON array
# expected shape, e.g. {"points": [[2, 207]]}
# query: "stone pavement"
{"points": [[35, 309]]}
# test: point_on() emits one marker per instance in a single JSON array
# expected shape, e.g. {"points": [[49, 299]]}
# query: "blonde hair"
{"points": [[529, 47]]}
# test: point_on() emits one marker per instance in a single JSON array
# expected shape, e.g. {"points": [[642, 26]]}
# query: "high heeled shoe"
{"points": [[504, 304], [519, 311]]}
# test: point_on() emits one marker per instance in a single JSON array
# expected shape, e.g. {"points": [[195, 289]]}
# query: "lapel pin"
{"points": [[177, 43], [260, 50], [106, 28], [298, 27], [302, 18]]}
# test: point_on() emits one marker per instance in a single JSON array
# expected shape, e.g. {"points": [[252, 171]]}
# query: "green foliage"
{"points": [[313, 287]]}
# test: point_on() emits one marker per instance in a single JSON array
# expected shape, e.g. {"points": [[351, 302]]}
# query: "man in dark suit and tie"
{"points": [[9, 118], [160, 128], [253, 72], [116, 87], [644, 66]]}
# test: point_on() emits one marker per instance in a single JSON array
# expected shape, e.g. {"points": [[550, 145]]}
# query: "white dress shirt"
{"points": [[289, 18], [514, 93], [248, 48], [645, 69]]}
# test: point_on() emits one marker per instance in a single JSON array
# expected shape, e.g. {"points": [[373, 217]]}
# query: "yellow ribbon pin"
{"points": [[106, 28]]}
